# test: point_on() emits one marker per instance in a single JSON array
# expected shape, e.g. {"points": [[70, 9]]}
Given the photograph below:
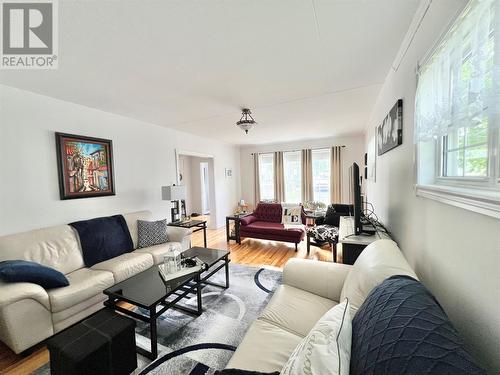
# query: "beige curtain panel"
{"points": [[279, 177], [336, 175], [256, 173], [307, 176]]}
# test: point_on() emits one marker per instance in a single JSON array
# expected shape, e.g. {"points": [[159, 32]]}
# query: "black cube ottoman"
{"points": [[102, 344]]}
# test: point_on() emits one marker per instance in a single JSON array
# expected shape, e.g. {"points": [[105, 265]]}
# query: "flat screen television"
{"points": [[356, 198]]}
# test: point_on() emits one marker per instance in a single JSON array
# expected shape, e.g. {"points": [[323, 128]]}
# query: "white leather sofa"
{"points": [[311, 288], [29, 314]]}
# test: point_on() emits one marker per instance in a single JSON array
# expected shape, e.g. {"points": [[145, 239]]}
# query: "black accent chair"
{"points": [[326, 229]]}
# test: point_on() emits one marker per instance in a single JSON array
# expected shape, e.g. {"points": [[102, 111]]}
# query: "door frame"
{"points": [[212, 223]]}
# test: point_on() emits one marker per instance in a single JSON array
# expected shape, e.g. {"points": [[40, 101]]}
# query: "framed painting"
{"points": [[85, 166], [390, 133]]}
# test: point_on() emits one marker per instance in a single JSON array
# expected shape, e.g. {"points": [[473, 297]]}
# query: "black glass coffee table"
{"points": [[150, 292], [215, 259]]}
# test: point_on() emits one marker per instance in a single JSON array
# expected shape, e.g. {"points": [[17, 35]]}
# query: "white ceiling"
{"points": [[306, 68]]}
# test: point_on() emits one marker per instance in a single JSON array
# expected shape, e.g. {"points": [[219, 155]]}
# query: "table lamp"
{"points": [[175, 194]]}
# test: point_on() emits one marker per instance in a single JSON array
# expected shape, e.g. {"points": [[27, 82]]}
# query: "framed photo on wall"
{"points": [[390, 133], [85, 166]]}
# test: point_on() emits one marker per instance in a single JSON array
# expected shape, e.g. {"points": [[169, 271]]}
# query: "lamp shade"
{"points": [[173, 193]]}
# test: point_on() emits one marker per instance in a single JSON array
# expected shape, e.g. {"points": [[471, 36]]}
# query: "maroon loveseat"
{"points": [[265, 224]]}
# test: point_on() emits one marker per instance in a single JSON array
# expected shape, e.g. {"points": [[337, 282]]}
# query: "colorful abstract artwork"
{"points": [[85, 166]]}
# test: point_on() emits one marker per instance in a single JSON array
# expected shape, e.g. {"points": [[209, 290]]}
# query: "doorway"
{"points": [[196, 173], [205, 189]]}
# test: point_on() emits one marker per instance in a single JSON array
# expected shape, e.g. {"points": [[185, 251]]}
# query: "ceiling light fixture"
{"points": [[246, 121]]}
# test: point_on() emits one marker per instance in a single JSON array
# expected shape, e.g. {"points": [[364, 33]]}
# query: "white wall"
{"points": [[353, 152], [456, 253], [144, 160]]}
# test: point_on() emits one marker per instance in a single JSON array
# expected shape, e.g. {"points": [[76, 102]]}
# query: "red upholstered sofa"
{"points": [[265, 224]]}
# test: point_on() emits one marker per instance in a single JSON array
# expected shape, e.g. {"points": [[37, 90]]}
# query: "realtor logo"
{"points": [[29, 34]]}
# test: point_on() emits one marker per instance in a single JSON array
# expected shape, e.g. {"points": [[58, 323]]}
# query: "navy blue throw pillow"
{"points": [[103, 238], [19, 271], [402, 329]]}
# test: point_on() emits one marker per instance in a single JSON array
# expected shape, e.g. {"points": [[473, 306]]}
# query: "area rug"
{"points": [[202, 345]]}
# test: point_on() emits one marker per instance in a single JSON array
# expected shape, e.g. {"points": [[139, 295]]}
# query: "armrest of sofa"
{"points": [[324, 279], [248, 219], [25, 316], [181, 235], [13, 292]]}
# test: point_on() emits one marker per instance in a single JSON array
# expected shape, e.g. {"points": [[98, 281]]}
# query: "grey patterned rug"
{"points": [[202, 345]]}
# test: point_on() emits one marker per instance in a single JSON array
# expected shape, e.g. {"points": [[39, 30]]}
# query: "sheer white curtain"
{"points": [[459, 85]]}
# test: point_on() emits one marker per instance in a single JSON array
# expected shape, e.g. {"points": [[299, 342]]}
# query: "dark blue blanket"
{"points": [[401, 329], [103, 238]]}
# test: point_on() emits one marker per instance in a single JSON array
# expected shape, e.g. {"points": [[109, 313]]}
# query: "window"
{"points": [[456, 114], [266, 176], [292, 171], [321, 161], [465, 152]]}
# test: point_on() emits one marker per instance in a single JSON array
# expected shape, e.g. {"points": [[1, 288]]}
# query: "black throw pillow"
{"points": [[103, 238], [402, 329], [332, 216]]}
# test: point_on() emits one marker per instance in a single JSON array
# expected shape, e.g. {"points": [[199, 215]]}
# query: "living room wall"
{"points": [[352, 152], [455, 252], [144, 160]]}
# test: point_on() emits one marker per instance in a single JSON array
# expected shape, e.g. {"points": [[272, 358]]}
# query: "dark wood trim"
{"points": [[61, 159]]}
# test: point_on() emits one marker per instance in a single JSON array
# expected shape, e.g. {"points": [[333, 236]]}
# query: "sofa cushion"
{"points": [[291, 214], [159, 251], [265, 347], [296, 310], [327, 348], [31, 272], [131, 220], [271, 228], [151, 233], [249, 219], [402, 329], [55, 247], [378, 261], [83, 284], [103, 238], [124, 266]]}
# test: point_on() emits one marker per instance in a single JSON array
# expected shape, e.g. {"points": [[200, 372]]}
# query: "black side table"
{"points": [[236, 235], [196, 225]]}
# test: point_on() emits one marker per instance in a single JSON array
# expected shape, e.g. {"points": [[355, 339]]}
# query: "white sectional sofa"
{"points": [[311, 288], [29, 314]]}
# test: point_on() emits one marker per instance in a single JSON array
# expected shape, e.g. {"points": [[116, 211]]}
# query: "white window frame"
{"points": [[489, 182], [300, 176], [329, 149], [477, 194], [260, 180]]}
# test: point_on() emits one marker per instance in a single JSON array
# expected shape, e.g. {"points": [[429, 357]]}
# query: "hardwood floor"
{"points": [[251, 252]]}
